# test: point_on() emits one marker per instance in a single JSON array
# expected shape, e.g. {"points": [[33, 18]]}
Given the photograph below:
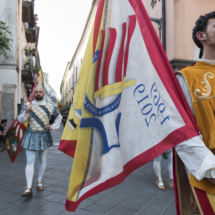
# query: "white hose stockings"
{"points": [[42, 164], [29, 170], [157, 165], [170, 165]]}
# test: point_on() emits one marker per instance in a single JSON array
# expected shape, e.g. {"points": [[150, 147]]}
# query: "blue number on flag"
{"points": [[147, 109]]}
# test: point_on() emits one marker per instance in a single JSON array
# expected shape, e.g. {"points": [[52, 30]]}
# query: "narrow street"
{"points": [[137, 195]]}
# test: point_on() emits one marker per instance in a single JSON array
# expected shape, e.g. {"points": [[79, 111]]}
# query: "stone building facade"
{"points": [[50, 94], [16, 82], [73, 67], [66, 88]]}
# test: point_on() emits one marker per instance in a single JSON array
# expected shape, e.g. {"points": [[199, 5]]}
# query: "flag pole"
{"points": [[32, 95]]}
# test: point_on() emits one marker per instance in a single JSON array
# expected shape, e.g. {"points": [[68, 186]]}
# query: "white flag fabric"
{"points": [[133, 109]]}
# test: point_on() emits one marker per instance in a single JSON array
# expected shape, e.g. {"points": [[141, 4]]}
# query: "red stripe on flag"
{"points": [[111, 45], [99, 62], [98, 19], [132, 24], [32, 95], [23, 127], [121, 55], [175, 183], [68, 147], [204, 202]]}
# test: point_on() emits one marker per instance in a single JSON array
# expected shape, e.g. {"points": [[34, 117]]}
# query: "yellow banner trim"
{"points": [[114, 89], [109, 87], [118, 90]]}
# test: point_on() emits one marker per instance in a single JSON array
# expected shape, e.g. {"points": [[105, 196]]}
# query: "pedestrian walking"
{"points": [[157, 169], [37, 136], [2, 133]]}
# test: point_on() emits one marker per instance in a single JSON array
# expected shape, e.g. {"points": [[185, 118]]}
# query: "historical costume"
{"points": [[38, 138], [198, 85]]}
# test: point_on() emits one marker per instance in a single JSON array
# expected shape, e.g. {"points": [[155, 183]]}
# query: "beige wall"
{"points": [[170, 48], [186, 14], [156, 12], [181, 16]]}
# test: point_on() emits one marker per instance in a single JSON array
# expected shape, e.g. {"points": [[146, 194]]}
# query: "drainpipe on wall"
{"points": [[164, 24], [20, 54]]}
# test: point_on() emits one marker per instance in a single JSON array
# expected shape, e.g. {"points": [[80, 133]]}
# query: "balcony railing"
{"points": [[28, 74], [31, 32], [28, 11]]}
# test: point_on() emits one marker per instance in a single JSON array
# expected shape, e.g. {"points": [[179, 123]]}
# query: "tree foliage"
{"points": [[4, 40]]}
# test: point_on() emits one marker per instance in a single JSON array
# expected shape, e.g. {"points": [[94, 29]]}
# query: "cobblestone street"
{"points": [[137, 195]]}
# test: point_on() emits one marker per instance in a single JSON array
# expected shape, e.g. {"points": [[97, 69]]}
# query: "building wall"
{"points": [[50, 94], [180, 20], [12, 89], [66, 87], [181, 16], [8, 14], [185, 19], [24, 93], [170, 48], [156, 12], [8, 72], [70, 75], [70, 82]]}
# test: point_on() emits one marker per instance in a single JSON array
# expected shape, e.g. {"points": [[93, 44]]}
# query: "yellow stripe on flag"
{"points": [[197, 201], [82, 135], [114, 89], [118, 90], [211, 199]]}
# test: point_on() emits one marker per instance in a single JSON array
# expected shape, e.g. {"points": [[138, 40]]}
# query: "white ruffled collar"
{"points": [[207, 61], [37, 102]]}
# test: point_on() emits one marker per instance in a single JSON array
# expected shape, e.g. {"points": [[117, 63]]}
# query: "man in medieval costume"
{"points": [[196, 181], [37, 136]]}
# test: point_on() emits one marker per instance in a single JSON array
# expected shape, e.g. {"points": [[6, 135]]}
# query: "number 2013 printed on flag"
{"points": [[149, 104]]}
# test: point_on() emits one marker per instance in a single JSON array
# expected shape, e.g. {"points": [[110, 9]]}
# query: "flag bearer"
{"points": [[198, 85], [37, 136]]}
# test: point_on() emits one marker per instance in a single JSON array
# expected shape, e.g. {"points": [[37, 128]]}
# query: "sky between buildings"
{"points": [[61, 25]]}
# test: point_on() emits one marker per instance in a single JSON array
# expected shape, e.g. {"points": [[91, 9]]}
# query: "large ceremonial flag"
{"points": [[128, 107]]}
